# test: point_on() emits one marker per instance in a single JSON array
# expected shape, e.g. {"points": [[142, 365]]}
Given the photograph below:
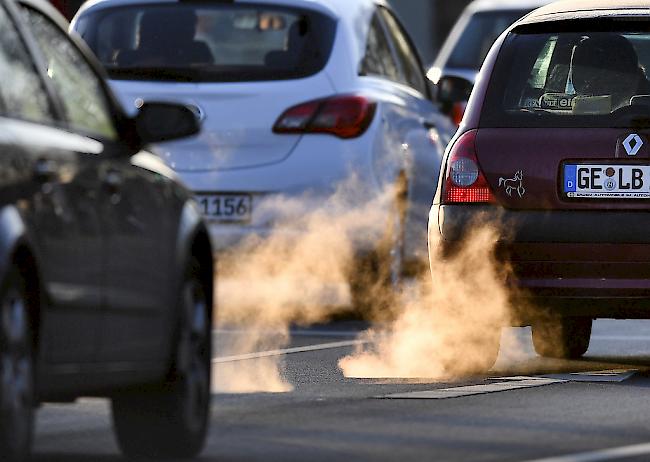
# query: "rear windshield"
{"points": [[208, 41], [581, 74], [479, 35]]}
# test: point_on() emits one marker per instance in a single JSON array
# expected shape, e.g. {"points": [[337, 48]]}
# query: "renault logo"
{"points": [[633, 144]]}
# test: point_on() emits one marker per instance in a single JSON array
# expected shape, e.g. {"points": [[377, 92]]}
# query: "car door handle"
{"points": [[45, 170]]}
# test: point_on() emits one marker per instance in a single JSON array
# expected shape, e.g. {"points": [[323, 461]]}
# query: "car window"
{"points": [[541, 68], [379, 60], [78, 85], [413, 74], [22, 93], [208, 42], [577, 77]]}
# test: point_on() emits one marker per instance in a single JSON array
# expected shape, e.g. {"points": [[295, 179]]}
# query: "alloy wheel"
{"points": [[16, 372], [193, 365]]}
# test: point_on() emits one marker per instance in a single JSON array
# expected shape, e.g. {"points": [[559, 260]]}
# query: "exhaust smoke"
{"points": [[300, 274], [444, 327]]}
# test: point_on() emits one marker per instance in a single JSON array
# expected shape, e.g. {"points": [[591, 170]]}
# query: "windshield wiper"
{"points": [[632, 116], [156, 73], [535, 110], [639, 122]]}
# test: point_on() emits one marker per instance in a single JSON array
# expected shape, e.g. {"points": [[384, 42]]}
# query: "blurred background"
{"points": [[429, 22]]}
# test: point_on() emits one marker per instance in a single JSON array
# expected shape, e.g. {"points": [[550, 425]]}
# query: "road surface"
{"points": [[527, 409]]}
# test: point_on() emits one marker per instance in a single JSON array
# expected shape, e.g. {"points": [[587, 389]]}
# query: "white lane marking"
{"points": [[614, 375], [293, 333], [622, 338], [511, 383], [606, 454], [324, 333], [288, 351], [517, 383]]}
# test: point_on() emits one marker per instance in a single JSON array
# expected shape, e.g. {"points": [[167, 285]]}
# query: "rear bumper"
{"points": [[575, 263], [323, 176], [589, 227]]}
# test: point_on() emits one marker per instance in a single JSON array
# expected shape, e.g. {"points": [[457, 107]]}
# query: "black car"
{"points": [[106, 266]]}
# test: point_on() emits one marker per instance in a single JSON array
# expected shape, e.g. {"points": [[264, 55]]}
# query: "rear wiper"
{"points": [[535, 110], [640, 122], [156, 73], [632, 121], [633, 116]]}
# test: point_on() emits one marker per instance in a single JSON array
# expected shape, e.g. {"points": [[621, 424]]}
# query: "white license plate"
{"points": [[226, 207], [607, 181]]}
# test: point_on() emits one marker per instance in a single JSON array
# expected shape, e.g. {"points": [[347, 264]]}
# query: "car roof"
{"points": [[478, 6], [579, 9]]}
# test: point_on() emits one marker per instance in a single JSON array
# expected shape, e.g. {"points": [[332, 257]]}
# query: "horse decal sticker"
{"points": [[514, 184]]}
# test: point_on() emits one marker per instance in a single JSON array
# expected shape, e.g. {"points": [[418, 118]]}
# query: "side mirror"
{"points": [[452, 90], [157, 122], [453, 93]]}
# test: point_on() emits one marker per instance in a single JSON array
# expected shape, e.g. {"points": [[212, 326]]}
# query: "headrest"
{"points": [[158, 23], [598, 58]]}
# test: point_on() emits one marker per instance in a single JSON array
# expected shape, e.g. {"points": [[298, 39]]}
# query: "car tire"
{"points": [[376, 278], [170, 421], [562, 338], [16, 370]]}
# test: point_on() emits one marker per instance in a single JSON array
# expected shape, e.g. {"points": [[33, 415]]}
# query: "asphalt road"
{"points": [[534, 409]]}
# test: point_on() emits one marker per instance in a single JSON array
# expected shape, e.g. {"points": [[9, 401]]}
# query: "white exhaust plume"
{"points": [[296, 275], [299, 274], [444, 328]]}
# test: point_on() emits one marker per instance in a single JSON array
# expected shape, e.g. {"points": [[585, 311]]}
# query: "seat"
{"points": [[295, 44], [607, 64], [166, 38]]}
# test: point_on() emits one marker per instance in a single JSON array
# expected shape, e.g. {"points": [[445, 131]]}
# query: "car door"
{"points": [[57, 199], [139, 260], [131, 203], [423, 112], [416, 133]]}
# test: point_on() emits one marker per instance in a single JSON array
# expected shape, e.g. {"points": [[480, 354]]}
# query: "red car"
{"points": [[555, 145]]}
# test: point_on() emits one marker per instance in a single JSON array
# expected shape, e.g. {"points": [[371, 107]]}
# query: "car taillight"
{"points": [[464, 180], [342, 116]]}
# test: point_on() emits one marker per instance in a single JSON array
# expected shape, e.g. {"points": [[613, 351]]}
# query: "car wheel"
{"points": [[171, 421], [376, 278], [16, 370], [562, 338]]}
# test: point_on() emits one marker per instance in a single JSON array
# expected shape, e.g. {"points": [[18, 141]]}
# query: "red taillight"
{"points": [[464, 180], [342, 116]]}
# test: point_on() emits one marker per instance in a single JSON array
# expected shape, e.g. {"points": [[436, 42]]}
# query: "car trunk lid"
{"points": [[527, 168], [237, 120]]}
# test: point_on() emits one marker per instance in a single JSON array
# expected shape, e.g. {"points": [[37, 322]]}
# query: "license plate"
{"points": [[607, 181], [226, 207]]}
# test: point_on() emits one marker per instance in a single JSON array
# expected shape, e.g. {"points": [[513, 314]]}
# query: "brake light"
{"points": [[464, 181], [343, 116]]}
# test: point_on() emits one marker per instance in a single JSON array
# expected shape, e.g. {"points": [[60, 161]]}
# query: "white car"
{"points": [[467, 45], [472, 36], [296, 97]]}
